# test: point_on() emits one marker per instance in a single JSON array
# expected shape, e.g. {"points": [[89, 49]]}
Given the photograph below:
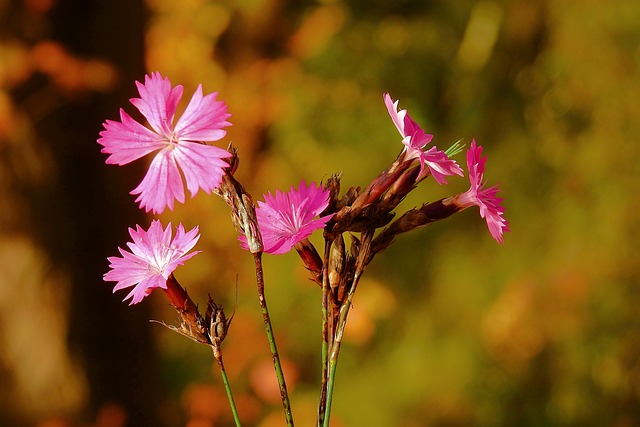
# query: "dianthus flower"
{"points": [[180, 147], [287, 218], [486, 199], [415, 140], [153, 257]]}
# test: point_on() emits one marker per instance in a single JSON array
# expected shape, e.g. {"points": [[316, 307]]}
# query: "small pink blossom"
{"points": [[415, 140], [486, 199], [153, 257], [287, 218], [180, 147]]}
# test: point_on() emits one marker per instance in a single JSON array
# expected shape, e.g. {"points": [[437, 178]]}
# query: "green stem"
{"points": [[218, 355], [284, 396], [325, 334]]}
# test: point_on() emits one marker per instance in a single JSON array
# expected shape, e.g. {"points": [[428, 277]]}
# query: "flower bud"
{"points": [[192, 324], [218, 323], [311, 259]]}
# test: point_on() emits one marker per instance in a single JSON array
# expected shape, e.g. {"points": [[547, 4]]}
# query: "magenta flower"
{"points": [[287, 218], [415, 140], [153, 257], [179, 147], [486, 199]]}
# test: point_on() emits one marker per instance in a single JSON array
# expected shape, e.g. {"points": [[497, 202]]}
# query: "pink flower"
{"points": [[287, 218], [179, 147], [486, 199], [415, 140], [153, 257]]}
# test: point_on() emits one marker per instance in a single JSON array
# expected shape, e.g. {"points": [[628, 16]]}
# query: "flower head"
{"points": [[287, 218], [179, 146], [153, 257], [485, 198], [415, 140]]}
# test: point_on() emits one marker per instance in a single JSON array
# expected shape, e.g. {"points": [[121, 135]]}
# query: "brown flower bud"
{"points": [[337, 263], [243, 213], [233, 161], [311, 259], [217, 321], [192, 325]]}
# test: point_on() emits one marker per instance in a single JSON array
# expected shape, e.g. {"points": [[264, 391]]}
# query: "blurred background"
{"points": [[448, 329]]}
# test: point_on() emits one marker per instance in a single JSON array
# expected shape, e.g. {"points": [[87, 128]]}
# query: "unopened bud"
{"points": [[218, 323], [400, 188], [192, 324], [341, 268], [233, 161], [337, 262], [243, 213], [311, 259], [333, 185]]}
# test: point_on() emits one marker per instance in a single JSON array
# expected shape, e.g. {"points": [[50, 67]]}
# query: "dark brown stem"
{"points": [[415, 218]]}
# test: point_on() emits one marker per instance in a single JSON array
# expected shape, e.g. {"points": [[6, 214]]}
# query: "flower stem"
{"points": [[218, 355], [334, 351], [322, 406], [284, 396]]}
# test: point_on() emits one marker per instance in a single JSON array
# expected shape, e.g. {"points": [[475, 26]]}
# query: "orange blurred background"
{"points": [[448, 328]]}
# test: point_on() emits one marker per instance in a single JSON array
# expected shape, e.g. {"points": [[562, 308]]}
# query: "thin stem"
{"points": [[325, 333], [218, 355], [335, 349], [362, 261], [284, 396]]}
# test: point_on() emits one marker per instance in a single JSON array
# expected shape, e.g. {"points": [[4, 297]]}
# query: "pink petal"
{"points": [[396, 116], [128, 270], [154, 256], [202, 165], [158, 102], [128, 140], [203, 119], [415, 139], [287, 218], [487, 200], [419, 138], [440, 165], [183, 243], [312, 200], [161, 185]]}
